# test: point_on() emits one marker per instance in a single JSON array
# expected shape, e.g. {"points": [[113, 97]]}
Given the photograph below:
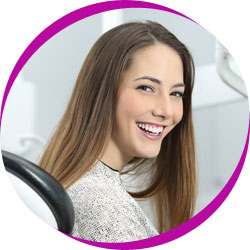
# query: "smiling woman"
{"points": [[131, 105]]}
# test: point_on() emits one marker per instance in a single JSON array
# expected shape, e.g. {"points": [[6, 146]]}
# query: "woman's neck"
{"points": [[113, 157]]}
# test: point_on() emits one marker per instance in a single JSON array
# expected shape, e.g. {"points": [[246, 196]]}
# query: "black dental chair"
{"points": [[40, 192]]}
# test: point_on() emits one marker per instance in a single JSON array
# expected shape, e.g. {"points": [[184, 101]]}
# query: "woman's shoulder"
{"points": [[104, 211], [99, 181]]}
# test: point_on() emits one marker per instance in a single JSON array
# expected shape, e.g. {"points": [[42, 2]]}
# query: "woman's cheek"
{"points": [[133, 105], [178, 114]]}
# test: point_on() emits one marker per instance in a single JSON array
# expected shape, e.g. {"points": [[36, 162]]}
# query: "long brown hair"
{"points": [[89, 119]]}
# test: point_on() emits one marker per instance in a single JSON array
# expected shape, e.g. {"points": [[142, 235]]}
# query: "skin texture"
{"points": [[150, 91]]}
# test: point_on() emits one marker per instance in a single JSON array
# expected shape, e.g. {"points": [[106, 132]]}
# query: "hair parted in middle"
{"points": [[89, 120]]}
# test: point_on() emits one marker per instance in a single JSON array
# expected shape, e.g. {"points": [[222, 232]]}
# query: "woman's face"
{"points": [[149, 102]]}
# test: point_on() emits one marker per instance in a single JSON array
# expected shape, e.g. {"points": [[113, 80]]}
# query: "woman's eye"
{"points": [[177, 94], [145, 88]]}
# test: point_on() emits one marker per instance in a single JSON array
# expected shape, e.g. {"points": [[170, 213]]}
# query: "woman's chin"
{"points": [[148, 153]]}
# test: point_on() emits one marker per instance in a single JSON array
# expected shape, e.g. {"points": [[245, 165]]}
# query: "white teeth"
{"points": [[160, 129], [150, 128]]}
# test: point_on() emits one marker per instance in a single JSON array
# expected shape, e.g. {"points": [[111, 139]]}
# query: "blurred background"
{"points": [[41, 92]]}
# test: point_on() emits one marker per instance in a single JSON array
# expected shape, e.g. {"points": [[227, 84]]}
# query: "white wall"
{"points": [[221, 132]]}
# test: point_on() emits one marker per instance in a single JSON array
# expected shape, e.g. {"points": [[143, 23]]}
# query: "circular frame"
{"points": [[78, 15]]}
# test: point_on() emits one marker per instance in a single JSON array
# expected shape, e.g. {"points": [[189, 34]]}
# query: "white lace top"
{"points": [[104, 211]]}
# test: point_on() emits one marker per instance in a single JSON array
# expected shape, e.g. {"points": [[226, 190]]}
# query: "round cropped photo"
{"points": [[125, 125]]}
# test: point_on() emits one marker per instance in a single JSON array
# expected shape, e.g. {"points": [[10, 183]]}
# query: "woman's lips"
{"points": [[150, 130]]}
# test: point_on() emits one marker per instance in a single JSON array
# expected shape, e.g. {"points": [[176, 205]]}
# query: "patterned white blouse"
{"points": [[104, 211]]}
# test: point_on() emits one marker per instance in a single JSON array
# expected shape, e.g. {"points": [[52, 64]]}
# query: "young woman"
{"points": [[131, 106]]}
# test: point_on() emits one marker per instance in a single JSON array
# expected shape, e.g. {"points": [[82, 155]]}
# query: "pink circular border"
{"points": [[80, 14]]}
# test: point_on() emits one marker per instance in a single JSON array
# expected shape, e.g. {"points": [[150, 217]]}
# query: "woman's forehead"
{"points": [[157, 61]]}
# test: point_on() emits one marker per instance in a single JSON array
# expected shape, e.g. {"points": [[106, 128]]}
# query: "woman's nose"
{"points": [[163, 108]]}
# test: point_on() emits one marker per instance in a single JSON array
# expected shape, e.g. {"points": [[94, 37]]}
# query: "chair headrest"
{"points": [[46, 186]]}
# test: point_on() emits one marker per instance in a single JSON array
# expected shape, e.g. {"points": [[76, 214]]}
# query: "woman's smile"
{"points": [[150, 130]]}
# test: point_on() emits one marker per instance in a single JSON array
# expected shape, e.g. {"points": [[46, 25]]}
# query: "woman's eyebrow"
{"points": [[178, 85], [155, 80], [150, 78]]}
